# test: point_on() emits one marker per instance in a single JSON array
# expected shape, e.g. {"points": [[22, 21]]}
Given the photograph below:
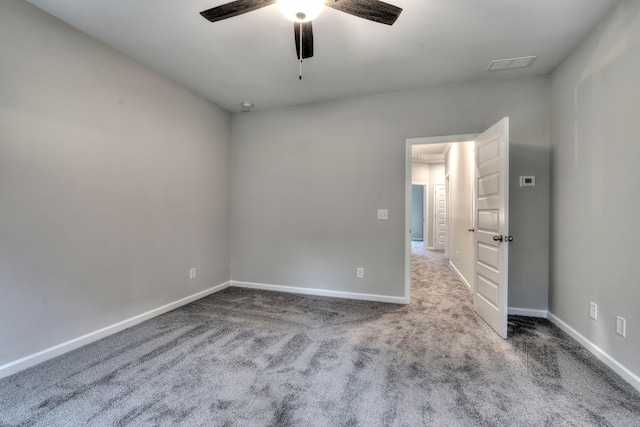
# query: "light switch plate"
{"points": [[621, 326]]}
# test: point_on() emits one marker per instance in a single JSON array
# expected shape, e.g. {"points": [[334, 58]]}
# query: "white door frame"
{"points": [[410, 142]]}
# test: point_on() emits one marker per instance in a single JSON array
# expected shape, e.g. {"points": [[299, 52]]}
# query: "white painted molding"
{"points": [[603, 356], [321, 292], [460, 276], [49, 353], [528, 312], [442, 139]]}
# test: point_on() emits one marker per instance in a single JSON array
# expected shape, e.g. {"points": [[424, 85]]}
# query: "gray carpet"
{"points": [[256, 358]]}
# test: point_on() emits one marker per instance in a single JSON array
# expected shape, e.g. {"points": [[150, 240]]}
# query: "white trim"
{"points": [[528, 312], [320, 292], [407, 220], [442, 139], [49, 353], [603, 356], [455, 269]]}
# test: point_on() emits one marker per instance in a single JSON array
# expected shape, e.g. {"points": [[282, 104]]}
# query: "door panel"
{"points": [[488, 255], [488, 290], [489, 220], [489, 186], [491, 204], [441, 215]]}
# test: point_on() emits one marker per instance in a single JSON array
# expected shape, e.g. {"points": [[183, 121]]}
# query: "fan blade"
{"points": [[235, 8], [307, 39], [373, 10]]}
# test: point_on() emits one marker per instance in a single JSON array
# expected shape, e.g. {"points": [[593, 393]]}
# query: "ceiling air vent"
{"points": [[511, 64]]}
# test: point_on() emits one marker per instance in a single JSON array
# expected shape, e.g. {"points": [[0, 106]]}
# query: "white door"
{"points": [[492, 219], [440, 202]]}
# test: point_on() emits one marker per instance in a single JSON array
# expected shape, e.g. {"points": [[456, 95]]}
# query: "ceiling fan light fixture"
{"points": [[301, 10]]}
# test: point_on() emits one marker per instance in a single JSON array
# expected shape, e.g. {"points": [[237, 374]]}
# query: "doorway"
{"points": [[412, 177], [484, 271], [418, 212]]}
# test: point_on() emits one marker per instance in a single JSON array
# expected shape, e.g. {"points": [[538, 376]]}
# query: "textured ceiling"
{"points": [[252, 57]]}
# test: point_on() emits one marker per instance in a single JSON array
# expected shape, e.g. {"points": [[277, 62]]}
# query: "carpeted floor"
{"points": [[256, 358]]}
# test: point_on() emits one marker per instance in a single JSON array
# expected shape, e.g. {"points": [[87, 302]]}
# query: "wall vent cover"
{"points": [[511, 63]]}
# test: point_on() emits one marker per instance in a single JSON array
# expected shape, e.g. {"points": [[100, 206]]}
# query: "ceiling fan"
{"points": [[301, 12]]}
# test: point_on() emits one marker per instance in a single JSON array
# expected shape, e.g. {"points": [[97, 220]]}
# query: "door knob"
{"points": [[497, 238]]}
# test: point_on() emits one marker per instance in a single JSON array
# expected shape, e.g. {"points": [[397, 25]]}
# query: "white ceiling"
{"points": [[252, 57], [429, 153], [429, 149]]}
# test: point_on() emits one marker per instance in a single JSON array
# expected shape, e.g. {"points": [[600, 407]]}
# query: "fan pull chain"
{"points": [[300, 73]]}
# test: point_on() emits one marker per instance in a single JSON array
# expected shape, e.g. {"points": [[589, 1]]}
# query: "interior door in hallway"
{"points": [[440, 202], [491, 236]]}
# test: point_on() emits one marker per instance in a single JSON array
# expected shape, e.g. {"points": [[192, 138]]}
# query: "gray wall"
{"points": [[113, 182], [595, 196], [307, 181]]}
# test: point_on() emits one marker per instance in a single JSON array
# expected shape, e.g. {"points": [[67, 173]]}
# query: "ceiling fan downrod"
{"points": [[300, 73]]}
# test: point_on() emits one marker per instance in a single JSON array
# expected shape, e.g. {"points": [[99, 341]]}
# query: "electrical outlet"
{"points": [[360, 273], [192, 274], [383, 214], [593, 310], [621, 326]]}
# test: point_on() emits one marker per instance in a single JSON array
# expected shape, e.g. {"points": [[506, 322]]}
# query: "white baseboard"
{"points": [[321, 292], [528, 312], [460, 276], [603, 356], [49, 353]]}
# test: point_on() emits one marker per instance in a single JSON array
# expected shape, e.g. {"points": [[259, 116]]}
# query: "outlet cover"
{"points": [[593, 310], [192, 274], [383, 214]]}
